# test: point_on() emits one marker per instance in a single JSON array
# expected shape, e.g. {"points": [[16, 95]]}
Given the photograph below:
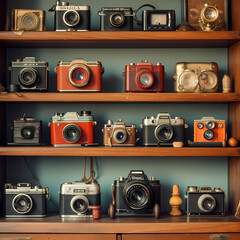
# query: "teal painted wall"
{"points": [[52, 171]]}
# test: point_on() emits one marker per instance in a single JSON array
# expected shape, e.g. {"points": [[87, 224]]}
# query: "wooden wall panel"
{"points": [[235, 15]]}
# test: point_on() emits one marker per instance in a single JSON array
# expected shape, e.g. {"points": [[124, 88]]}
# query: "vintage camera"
{"points": [[116, 19], [119, 134], [144, 77], [158, 20], [205, 201], [163, 130], [25, 200], [79, 76], [80, 200], [27, 131], [72, 130], [137, 195], [29, 75], [196, 77], [71, 18], [28, 20]]}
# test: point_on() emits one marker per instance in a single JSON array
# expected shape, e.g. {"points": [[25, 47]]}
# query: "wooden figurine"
{"points": [[175, 201]]}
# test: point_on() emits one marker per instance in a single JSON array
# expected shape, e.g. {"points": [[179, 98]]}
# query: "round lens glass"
{"points": [[189, 80], [208, 80], [22, 204], [29, 21], [145, 79], [80, 206], [208, 204], [117, 19], [210, 13], [71, 18], [210, 125], [120, 135], [209, 134], [78, 75], [72, 133], [27, 132], [164, 132], [28, 77]]}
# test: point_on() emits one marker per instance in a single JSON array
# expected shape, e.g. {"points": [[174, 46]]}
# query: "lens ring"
{"points": [[141, 201], [200, 125], [210, 125], [28, 16], [206, 203], [150, 79], [208, 134], [208, 80], [188, 80], [28, 77], [67, 14], [24, 198], [86, 72], [76, 200], [163, 132], [207, 17], [120, 135], [112, 19], [27, 132], [72, 133]]}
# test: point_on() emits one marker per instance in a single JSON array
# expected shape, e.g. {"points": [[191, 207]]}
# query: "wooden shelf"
{"points": [[119, 151], [119, 97], [120, 39], [165, 224]]}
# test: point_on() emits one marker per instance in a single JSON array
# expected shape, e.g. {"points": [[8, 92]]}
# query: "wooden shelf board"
{"points": [[166, 224], [119, 97], [118, 151], [120, 39]]}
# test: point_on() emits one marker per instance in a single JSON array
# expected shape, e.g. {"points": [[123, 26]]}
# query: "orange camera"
{"points": [[79, 76]]}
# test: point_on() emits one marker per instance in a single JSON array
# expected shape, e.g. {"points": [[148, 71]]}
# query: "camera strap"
{"points": [[136, 11], [91, 171]]}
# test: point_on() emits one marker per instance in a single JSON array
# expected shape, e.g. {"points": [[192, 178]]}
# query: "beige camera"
{"points": [[196, 77], [28, 20]]}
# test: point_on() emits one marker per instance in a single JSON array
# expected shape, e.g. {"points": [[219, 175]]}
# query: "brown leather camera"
{"points": [[28, 20], [119, 134]]}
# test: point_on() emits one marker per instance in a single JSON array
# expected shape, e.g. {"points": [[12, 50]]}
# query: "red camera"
{"points": [[71, 129], [144, 77], [79, 76]]}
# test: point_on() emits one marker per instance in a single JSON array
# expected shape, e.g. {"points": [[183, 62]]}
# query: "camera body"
{"points": [[71, 18], [29, 75], [119, 134], [205, 201], [27, 131], [25, 200], [144, 77], [158, 20], [196, 77], [28, 20], [80, 200], [79, 76], [163, 130], [116, 19], [208, 129], [72, 130], [136, 195]]}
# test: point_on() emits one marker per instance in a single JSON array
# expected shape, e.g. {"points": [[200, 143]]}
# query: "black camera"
{"points": [[158, 20], [25, 200], [116, 19], [71, 18], [136, 195], [205, 201], [27, 131], [163, 130], [28, 74]]}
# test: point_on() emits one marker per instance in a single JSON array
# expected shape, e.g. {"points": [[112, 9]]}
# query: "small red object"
{"points": [[232, 142]]}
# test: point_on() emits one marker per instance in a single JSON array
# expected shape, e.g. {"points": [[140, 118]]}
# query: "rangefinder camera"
{"points": [[116, 19], [28, 20], [136, 195], [163, 130], [24, 200], [119, 134], [80, 200], [27, 131], [205, 201], [144, 77], [196, 77], [79, 76], [71, 18], [158, 20], [29, 75], [72, 130]]}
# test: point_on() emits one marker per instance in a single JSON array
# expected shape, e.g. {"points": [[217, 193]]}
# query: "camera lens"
{"points": [[188, 80], [209, 134], [71, 18], [208, 80], [28, 77], [72, 133], [22, 203], [211, 14], [206, 203], [79, 75], [210, 125], [163, 132], [137, 196], [79, 204], [120, 135], [144, 79], [117, 19], [27, 132], [30, 21]]}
